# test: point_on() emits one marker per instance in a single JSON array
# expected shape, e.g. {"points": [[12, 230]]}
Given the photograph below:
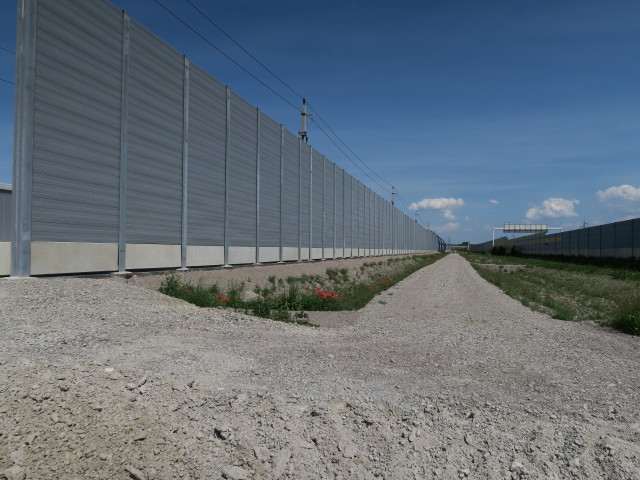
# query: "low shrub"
{"points": [[279, 300]]}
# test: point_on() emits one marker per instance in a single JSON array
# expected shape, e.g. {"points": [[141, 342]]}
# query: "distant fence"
{"points": [[619, 239], [128, 156]]}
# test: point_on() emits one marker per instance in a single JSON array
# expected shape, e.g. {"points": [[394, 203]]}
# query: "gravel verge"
{"points": [[441, 376]]}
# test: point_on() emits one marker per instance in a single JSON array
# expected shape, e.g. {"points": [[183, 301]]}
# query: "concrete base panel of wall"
{"points": [[201, 256], [608, 252], [316, 253], [73, 257], [5, 258], [289, 254], [242, 255], [270, 254], [304, 253], [339, 253], [142, 256], [328, 253], [623, 252]]}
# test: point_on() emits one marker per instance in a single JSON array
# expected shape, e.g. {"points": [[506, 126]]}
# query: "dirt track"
{"points": [[448, 378]]}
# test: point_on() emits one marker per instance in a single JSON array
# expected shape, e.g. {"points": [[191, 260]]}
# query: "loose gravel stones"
{"points": [[449, 378]]}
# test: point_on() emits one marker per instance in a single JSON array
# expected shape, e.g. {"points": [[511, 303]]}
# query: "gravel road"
{"points": [[441, 376]]}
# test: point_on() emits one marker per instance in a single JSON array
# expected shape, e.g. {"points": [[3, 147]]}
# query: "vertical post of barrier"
{"points": [[310, 203], [124, 144], [351, 223], [600, 237], [324, 210], [257, 254], [300, 200], [335, 213], [227, 152], [23, 138], [185, 164], [281, 249], [344, 215]]}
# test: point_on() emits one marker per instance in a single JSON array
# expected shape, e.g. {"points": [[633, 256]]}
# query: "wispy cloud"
{"points": [[553, 208], [437, 203], [448, 227], [495, 202]]}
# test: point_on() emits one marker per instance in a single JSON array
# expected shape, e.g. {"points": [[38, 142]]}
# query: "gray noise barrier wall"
{"points": [[616, 240], [128, 156]]}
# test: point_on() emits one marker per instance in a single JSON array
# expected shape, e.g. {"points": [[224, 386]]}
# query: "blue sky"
{"points": [[479, 112]]}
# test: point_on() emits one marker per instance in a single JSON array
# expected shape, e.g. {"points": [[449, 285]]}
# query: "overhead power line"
{"points": [[337, 140], [7, 81], [7, 50], [173, 14], [345, 154], [293, 90], [277, 77], [347, 146]]}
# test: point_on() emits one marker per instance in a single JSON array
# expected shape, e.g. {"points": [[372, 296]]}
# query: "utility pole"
{"points": [[303, 131]]}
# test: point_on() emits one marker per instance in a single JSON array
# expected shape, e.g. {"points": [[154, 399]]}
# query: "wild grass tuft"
{"points": [[627, 317], [571, 290], [288, 300]]}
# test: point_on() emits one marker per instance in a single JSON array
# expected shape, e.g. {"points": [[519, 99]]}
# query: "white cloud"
{"points": [[449, 227], [621, 194], [437, 203], [495, 202], [553, 208], [448, 214]]}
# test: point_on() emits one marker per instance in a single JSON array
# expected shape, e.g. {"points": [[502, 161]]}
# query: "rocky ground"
{"points": [[442, 376]]}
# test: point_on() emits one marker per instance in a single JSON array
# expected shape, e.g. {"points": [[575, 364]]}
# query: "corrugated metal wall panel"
{"points": [[269, 182], [242, 173], [317, 200], [291, 190], [348, 206], [154, 193], [624, 234], [207, 133], [77, 157], [306, 190], [594, 237], [362, 225], [6, 216], [583, 239], [329, 202], [77, 122], [608, 236]]}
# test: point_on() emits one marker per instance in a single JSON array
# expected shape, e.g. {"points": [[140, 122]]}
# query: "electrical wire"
{"points": [[7, 81], [173, 14], [242, 48], [347, 146], [346, 155], [7, 50], [277, 77]]}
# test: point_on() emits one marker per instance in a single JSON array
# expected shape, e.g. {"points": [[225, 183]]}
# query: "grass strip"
{"points": [[608, 293], [288, 299]]}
